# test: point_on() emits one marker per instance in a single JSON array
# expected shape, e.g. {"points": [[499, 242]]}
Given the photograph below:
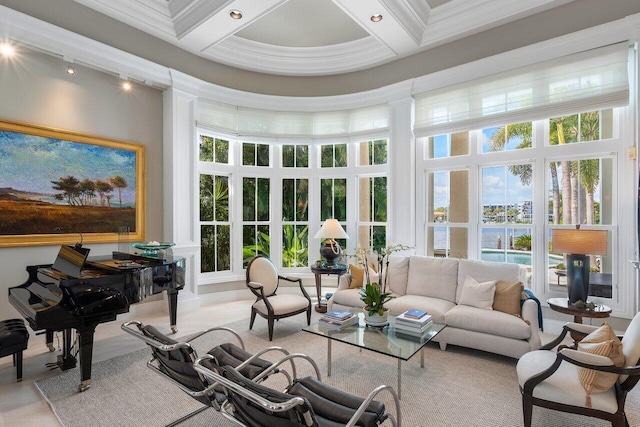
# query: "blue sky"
{"points": [[30, 163]]}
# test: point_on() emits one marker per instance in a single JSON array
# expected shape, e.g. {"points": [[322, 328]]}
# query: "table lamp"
{"points": [[331, 230], [577, 245]]}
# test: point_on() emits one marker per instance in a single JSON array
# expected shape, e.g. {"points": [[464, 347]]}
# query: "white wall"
{"points": [[35, 88]]}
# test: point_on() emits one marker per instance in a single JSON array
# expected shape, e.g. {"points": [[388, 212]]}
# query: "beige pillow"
{"points": [[476, 294], [507, 297], [603, 342]]}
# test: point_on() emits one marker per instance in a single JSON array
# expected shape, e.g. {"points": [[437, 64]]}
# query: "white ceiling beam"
{"points": [[400, 29], [208, 22]]}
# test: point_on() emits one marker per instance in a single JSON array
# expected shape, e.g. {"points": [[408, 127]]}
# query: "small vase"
{"points": [[376, 319]]}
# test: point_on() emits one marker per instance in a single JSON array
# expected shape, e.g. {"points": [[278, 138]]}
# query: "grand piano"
{"points": [[53, 301]]}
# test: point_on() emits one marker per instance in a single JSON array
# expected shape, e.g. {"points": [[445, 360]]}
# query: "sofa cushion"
{"points": [[483, 271], [433, 277], [476, 294], [507, 297], [398, 274], [436, 307], [349, 297], [487, 321]]}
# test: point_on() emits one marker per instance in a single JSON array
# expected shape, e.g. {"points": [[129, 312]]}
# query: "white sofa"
{"points": [[435, 285]]}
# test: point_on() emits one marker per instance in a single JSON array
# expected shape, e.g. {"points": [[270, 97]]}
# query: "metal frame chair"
{"points": [[563, 392], [263, 280], [174, 360], [307, 402]]}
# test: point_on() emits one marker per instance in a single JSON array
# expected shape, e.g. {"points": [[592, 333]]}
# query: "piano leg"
{"points": [[85, 334], [172, 296], [49, 340]]}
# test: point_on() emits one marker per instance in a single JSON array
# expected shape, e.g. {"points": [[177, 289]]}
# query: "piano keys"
{"points": [[52, 301]]}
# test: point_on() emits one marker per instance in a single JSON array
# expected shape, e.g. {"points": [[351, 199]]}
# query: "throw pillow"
{"points": [[357, 276], [507, 297], [476, 294], [603, 342]]}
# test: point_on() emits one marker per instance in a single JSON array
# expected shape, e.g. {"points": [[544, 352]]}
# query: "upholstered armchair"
{"points": [[263, 280], [553, 379]]}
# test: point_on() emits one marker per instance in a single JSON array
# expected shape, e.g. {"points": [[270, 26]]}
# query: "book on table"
{"points": [[402, 318], [338, 314], [337, 324], [415, 330], [415, 313]]}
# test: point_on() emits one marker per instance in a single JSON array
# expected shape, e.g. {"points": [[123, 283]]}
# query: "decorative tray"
{"points": [[151, 248]]}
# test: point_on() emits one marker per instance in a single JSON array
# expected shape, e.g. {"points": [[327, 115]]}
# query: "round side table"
{"points": [[318, 271], [561, 305]]}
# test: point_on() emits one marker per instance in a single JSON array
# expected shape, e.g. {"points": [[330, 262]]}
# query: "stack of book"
{"points": [[338, 319], [413, 322]]}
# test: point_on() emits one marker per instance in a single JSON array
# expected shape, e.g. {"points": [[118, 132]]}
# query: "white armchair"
{"points": [[263, 280], [549, 379]]}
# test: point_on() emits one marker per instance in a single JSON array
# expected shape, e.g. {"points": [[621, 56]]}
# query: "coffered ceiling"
{"points": [[313, 37]]}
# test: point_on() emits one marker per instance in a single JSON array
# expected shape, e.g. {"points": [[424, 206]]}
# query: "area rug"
{"points": [[457, 387]]}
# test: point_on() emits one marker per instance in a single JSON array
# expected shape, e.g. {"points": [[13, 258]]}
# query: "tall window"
{"points": [[256, 215], [372, 216], [513, 211], [295, 222], [215, 225]]}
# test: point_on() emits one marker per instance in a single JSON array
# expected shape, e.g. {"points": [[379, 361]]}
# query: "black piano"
{"points": [[53, 301]]}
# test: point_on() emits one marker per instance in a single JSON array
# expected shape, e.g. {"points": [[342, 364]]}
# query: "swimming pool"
{"points": [[517, 257]]}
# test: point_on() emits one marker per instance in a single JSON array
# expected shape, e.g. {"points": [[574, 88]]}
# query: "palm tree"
{"points": [[499, 140]]}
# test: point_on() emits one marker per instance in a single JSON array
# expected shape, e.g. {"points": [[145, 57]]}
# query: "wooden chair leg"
{"points": [[527, 410], [253, 317], [270, 321], [309, 315]]}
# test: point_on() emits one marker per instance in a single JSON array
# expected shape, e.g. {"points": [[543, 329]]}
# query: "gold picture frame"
{"points": [[61, 187]]}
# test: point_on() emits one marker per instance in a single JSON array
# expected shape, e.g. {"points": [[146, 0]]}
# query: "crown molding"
{"points": [[283, 60], [209, 91]]}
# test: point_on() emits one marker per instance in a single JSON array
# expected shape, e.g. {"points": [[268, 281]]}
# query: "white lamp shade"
{"points": [[331, 229], [579, 242]]}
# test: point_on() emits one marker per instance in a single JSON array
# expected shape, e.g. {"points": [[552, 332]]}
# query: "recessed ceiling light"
{"points": [[376, 17], [126, 85], [71, 70], [235, 14], [6, 49]]}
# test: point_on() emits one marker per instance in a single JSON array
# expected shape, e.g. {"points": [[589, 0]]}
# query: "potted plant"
{"points": [[375, 313]]}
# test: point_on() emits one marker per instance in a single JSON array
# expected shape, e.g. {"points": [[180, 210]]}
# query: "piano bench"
{"points": [[13, 341]]}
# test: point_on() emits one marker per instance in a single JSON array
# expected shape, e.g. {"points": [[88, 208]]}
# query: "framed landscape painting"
{"points": [[60, 187]]}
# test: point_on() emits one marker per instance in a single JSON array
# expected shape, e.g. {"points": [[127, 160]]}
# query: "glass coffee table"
{"points": [[381, 340]]}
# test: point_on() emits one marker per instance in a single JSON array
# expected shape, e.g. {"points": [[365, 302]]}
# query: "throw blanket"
{"points": [[530, 295]]}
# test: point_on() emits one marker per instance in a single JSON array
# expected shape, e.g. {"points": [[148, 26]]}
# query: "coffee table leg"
{"points": [[399, 379], [422, 357], [328, 358]]}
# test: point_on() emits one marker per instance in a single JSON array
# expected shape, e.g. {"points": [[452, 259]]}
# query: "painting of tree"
{"points": [[56, 184]]}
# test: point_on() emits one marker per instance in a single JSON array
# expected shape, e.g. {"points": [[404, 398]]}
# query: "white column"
{"points": [[402, 185], [180, 188]]}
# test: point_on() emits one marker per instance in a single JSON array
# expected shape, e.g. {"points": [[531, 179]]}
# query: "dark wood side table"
{"points": [[561, 305], [318, 271]]}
